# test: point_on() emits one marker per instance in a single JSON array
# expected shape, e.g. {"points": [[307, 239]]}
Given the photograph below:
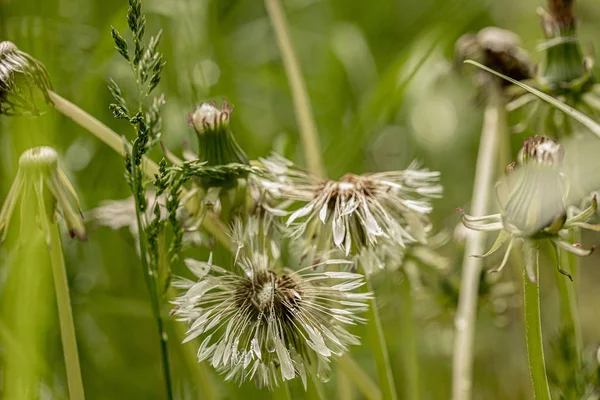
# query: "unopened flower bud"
{"points": [[541, 150], [20, 74], [564, 68], [217, 145], [39, 176]]}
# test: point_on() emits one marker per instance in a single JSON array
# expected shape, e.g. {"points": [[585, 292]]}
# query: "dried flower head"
{"points": [[533, 203], [39, 176], [265, 323], [20, 74], [498, 49], [355, 211]]}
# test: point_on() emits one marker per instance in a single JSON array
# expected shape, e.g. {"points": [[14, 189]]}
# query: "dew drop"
{"points": [[323, 371], [270, 344]]}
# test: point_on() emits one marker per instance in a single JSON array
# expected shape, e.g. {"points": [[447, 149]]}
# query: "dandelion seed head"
{"points": [[265, 323], [355, 211]]}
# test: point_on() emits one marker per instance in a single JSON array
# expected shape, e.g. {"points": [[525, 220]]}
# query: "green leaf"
{"points": [[570, 111], [502, 237]]}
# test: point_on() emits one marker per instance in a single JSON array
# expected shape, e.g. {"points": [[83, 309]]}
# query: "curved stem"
{"points": [[533, 330], [115, 142], [65, 315], [358, 377], [304, 115], [379, 348], [494, 125], [408, 342]]}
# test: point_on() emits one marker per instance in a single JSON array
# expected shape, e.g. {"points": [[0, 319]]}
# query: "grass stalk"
{"points": [[302, 107], [65, 315], [150, 280], [494, 125], [358, 377], [379, 349], [408, 343], [533, 330]]}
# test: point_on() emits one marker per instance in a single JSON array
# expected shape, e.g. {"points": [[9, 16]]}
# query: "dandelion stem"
{"points": [[570, 324], [114, 141], [304, 115], [282, 392], [408, 343], [150, 279], [345, 389], [315, 388], [358, 377], [65, 315], [494, 125], [379, 348], [533, 329]]}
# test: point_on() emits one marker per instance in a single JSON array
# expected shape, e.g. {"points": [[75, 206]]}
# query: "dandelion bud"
{"points": [[564, 68], [39, 176], [20, 74], [542, 150], [217, 146]]}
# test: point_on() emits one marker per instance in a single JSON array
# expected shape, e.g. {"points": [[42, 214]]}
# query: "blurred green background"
{"points": [[382, 85]]}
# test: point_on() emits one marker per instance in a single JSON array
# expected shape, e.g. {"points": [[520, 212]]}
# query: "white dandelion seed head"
{"points": [[271, 324], [357, 210]]}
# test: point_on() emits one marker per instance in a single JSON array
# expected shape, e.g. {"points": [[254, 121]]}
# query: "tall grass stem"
{"points": [[302, 107], [494, 125], [379, 349]]}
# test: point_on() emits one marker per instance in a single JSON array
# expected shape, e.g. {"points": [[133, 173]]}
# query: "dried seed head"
{"points": [[20, 74], [265, 323], [498, 49], [355, 211]]}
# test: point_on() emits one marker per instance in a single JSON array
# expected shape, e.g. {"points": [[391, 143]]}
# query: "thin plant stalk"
{"points": [[533, 329], [199, 371], [315, 388], [282, 392], [344, 386], [302, 107], [115, 142], [359, 378], [65, 316], [494, 126], [408, 342], [379, 349], [150, 279], [568, 303]]}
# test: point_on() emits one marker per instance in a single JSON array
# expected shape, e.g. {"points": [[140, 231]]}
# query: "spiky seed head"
{"points": [[265, 323]]}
